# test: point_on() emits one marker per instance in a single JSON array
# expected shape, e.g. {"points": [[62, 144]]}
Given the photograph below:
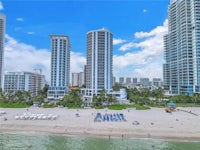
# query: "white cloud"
{"points": [[149, 37], [1, 6], [77, 62], [147, 60], [30, 32], [23, 57], [158, 30], [144, 10], [118, 41], [153, 70], [127, 46], [20, 19]]}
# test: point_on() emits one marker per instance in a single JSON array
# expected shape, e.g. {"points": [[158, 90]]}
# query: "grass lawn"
{"points": [[124, 106], [13, 105]]}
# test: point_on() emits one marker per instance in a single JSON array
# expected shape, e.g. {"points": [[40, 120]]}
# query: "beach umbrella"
{"points": [[171, 104]]}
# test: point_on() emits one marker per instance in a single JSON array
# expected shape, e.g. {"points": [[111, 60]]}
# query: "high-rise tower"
{"points": [[2, 34], [60, 67], [182, 48], [99, 66]]}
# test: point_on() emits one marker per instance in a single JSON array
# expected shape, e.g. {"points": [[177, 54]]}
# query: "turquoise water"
{"points": [[21, 141]]}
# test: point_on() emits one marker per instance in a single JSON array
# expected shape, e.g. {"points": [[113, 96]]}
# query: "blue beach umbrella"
{"points": [[171, 104]]}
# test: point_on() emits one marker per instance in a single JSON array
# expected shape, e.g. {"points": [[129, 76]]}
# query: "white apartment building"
{"points": [[24, 81], [157, 82], [60, 67], [78, 79], [75, 79], [2, 34], [99, 68], [81, 79], [181, 71]]}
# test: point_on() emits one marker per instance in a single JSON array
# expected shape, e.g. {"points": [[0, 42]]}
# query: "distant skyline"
{"points": [[138, 27]]}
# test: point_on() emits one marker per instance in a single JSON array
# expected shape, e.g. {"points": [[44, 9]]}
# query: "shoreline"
{"points": [[165, 127], [104, 135]]}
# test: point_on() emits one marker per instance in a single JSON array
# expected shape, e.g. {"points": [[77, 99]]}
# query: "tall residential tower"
{"points": [[182, 48], [99, 68], [2, 34], [60, 67]]}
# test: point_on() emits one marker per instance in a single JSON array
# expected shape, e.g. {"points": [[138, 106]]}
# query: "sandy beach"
{"points": [[154, 123]]}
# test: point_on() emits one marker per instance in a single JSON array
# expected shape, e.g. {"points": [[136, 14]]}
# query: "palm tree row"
{"points": [[103, 100], [23, 96]]}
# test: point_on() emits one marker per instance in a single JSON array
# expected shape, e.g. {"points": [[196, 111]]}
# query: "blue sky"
{"points": [[137, 26]]}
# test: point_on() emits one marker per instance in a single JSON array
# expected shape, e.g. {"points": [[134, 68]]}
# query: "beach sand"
{"points": [[154, 123]]}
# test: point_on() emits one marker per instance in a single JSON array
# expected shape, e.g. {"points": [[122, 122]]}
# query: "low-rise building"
{"points": [[24, 81]]}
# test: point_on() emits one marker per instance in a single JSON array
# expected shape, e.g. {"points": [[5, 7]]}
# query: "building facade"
{"points": [[121, 80], [78, 79], [145, 82], [157, 82], [181, 71], [128, 80], [75, 79], [81, 79], [24, 81], [120, 95], [2, 34], [114, 81], [135, 82], [60, 67], [99, 68]]}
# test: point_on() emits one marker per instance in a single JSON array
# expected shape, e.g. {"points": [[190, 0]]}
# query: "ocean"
{"points": [[40, 141]]}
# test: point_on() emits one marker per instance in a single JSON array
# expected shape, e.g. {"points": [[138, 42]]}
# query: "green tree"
{"points": [[3, 96], [110, 99], [96, 102], [196, 98], [27, 95], [118, 86], [181, 99], [45, 90], [72, 99], [10, 95]]}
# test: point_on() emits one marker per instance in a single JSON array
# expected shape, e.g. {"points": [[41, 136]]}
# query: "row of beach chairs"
{"points": [[116, 117], [30, 116]]}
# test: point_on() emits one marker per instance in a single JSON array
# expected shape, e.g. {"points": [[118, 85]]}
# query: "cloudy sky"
{"points": [[138, 27]]}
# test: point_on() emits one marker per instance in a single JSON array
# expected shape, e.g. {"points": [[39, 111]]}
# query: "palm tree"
{"points": [[18, 96], [2, 96], [10, 95], [196, 98], [94, 101], [72, 99], [27, 95], [110, 99]]}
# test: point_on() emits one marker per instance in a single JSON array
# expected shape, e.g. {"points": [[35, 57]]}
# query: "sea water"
{"points": [[35, 141]]}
